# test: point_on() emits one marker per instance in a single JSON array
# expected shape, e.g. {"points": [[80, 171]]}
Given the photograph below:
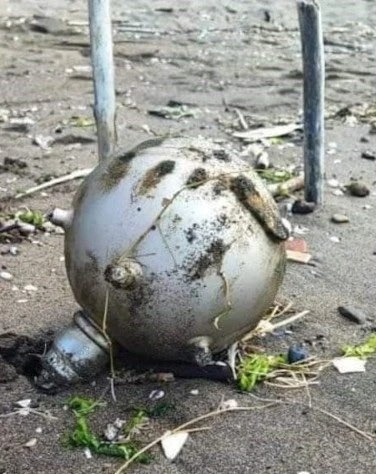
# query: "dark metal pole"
{"points": [[314, 82]]}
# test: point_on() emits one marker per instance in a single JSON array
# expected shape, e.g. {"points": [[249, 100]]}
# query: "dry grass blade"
{"points": [[187, 425], [266, 326], [341, 421], [54, 182], [110, 347]]}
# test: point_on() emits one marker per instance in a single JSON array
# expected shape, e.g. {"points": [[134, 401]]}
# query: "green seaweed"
{"points": [[31, 217], [275, 175], [365, 350], [255, 367], [83, 437]]}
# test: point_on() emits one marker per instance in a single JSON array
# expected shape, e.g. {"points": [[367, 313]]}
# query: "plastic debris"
{"points": [[348, 365], [173, 443]]}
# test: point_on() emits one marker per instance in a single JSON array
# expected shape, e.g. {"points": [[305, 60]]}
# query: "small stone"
{"points": [[297, 354], [262, 162], [6, 276], [339, 218], [30, 288], [31, 443], [353, 313], [335, 239], [23, 403], [87, 453], [337, 192], [39, 430], [194, 392], [302, 207], [358, 189], [364, 140], [333, 183], [156, 395], [111, 432], [26, 229], [368, 155]]}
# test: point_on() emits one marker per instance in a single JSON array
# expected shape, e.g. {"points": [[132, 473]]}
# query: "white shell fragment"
{"points": [[228, 404], [6, 276], [24, 403], [31, 443], [348, 365], [173, 443]]}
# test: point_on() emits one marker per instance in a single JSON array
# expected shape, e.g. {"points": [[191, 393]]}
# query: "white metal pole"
{"points": [[314, 106], [103, 75]]}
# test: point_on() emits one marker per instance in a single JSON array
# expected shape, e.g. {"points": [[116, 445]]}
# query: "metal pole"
{"points": [[314, 81], [103, 75]]}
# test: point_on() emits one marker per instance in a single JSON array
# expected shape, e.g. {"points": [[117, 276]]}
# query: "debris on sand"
{"points": [[358, 189], [297, 353], [297, 245], [6, 276], [43, 142], [340, 219], [298, 257], [267, 132], [353, 313], [349, 365], [365, 350], [302, 207], [173, 443], [173, 111], [368, 155], [297, 251], [83, 436], [31, 443], [256, 367]]}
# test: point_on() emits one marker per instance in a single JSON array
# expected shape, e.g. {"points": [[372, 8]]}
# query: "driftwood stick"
{"points": [[314, 80], [103, 75], [288, 187], [54, 182]]}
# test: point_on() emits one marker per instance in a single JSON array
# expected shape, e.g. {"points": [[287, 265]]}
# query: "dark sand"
{"points": [[218, 57]]}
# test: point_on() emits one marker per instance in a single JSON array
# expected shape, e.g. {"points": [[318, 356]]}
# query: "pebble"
{"points": [[358, 189], [31, 443], [30, 288], [156, 394], [194, 392], [87, 453], [302, 207], [333, 183], [353, 313], [297, 354], [6, 276], [26, 229], [368, 155], [339, 218], [335, 239], [262, 162], [364, 139], [337, 192]]}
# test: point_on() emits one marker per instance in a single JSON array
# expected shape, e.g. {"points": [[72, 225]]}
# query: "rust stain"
{"points": [[154, 176]]}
